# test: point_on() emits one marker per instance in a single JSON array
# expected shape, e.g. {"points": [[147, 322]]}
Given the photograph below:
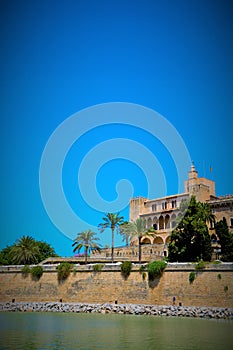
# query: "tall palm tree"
{"points": [[25, 251], [86, 240], [112, 221], [137, 229]]}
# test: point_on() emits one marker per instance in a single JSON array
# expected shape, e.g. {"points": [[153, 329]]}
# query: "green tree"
{"points": [[45, 251], [86, 240], [190, 240], [25, 251], [225, 240], [137, 229], [5, 257], [112, 221], [206, 213], [125, 235]]}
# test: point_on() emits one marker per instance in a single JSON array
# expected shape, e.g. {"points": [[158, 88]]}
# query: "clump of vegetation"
{"points": [[37, 271], [26, 270], [126, 268], [143, 275], [142, 268], [74, 272], [216, 262], [225, 289], [191, 277], [219, 276], [200, 265], [155, 269], [63, 270], [98, 267]]}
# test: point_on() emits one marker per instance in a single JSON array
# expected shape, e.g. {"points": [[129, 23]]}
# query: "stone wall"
{"points": [[212, 286]]}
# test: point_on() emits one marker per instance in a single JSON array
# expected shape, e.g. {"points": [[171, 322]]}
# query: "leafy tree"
{"points": [[137, 229], [86, 240], [190, 240], [225, 240], [25, 251], [5, 258], [45, 251], [112, 221]]}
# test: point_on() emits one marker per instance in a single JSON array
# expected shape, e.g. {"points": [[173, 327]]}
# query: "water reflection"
{"points": [[96, 331]]}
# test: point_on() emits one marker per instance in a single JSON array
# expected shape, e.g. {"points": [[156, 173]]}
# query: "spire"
{"points": [[193, 172]]}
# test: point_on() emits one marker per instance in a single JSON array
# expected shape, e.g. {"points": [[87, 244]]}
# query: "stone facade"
{"points": [[212, 286], [162, 213]]}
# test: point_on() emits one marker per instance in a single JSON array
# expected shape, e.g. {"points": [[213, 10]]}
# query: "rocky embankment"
{"points": [[132, 309]]}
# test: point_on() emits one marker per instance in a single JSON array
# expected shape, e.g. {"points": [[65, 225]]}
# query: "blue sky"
{"points": [[59, 57]]}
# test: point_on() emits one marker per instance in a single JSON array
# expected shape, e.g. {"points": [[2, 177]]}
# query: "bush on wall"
{"points": [[126, 268], [63, 270], [26, 270], [155, 269], [37, 271], [191, 277], [98, 267]]}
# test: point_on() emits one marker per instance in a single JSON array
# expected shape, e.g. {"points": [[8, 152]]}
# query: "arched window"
{"points": [[173, 220], [161, 223], [167, 221], [149, 223]]}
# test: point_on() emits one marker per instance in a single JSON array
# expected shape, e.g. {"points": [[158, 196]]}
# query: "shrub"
{"points": [[144, 275], [63, 270], [98, 267], [200, 265], [219, 276], [225, 289], [155, 269], [191, 277], [25, 270], [37, 271], [126, 267], [142, 268], [216, 262], [74, 272]]}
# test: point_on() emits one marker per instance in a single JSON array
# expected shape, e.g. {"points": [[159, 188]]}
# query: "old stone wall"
{"points": [[212, 286]]}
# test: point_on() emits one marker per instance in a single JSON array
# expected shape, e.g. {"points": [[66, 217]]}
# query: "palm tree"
{"points": [[86, 240], [125, 235], [137, 229], [206, 213], [112, 221], [25, 251]]}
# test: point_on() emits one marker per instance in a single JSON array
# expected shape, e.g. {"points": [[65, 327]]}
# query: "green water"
{"points": [[96, 331]]}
